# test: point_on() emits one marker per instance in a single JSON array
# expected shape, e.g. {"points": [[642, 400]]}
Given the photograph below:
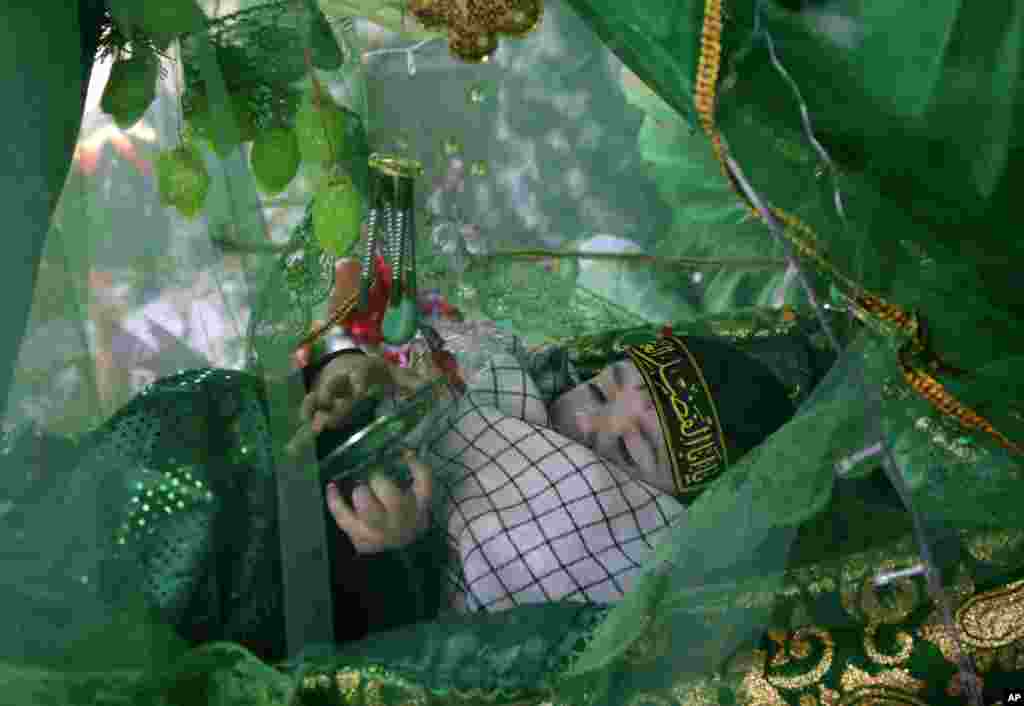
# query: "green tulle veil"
{"points": [[758, 171]]}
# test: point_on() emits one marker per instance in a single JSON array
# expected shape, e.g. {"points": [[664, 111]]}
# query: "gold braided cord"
{"points": [[932, 390], [802, 237], [336, 317]]}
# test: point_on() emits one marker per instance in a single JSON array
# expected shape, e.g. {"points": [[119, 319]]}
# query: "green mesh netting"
{"points": [[837, 223]]}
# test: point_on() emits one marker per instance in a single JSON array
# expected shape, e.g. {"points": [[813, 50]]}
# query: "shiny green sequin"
{"points": [[451, 147]]}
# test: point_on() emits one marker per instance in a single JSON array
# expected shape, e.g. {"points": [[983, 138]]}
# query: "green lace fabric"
{"points": [[870, 551]]}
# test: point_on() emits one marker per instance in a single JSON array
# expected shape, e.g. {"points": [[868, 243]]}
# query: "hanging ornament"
{"points": [[391, 228], [196, 111], [131, 87], [320, 128], [326, 54], [275, 159], [337, 214], [182, 179], [473, 45], [364, 325], [474, 27], [160, 20]]}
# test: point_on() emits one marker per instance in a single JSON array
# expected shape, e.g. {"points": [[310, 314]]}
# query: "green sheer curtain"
{"points": [[869, 551]]}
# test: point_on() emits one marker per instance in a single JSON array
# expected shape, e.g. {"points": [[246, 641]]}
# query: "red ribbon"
{"points": [[363, 327]]}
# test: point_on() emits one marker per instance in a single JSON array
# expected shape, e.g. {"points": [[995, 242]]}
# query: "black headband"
{"points": [[687, 413]]}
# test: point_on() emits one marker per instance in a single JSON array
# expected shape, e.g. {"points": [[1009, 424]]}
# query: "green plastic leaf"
{"points": [[200, 119], [990, 162], [326, 54], [130, 89], [182, 180], [666, 62], [902, 51], [320, 128], [275, 160], [337, 215], [163, 20]]}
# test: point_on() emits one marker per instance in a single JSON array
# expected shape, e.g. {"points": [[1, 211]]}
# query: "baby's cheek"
{"points": [[586, 423]]}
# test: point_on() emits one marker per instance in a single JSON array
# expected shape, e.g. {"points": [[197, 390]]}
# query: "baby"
{"points": [[545, 500], [559, 495], [556, 494]]}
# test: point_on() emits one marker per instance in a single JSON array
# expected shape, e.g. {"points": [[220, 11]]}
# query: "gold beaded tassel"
{"points": [[803, 238], [336, 317]]}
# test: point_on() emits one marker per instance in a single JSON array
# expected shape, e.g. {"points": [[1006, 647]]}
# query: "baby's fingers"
{"points": [[300, 358], [335, 387], [308, 407], [348, 519], [337, 415], [389, 495], [369, 508]]}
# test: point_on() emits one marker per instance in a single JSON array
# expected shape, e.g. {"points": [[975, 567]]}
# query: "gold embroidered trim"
{"points": [[993, 619], [803, 239]]}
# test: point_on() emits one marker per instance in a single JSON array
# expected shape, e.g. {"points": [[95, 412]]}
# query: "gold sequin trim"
{"points": [[905, 641], [347, 681], [756, 689], [994, 546], [815, 674], [828, 697], [650, 698], [860, 597], [699, 692], [993, 619], [892, 683], [654, 642], [367, 687]]}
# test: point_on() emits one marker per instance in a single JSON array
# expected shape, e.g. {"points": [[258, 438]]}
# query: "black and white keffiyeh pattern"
{"points": [[533, 516]]}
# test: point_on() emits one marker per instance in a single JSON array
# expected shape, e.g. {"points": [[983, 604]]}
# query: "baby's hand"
{"points": [[384, 517], [343, 382]]}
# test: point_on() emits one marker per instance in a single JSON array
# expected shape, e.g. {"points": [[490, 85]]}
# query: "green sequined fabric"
{"points": [[869, 551]]}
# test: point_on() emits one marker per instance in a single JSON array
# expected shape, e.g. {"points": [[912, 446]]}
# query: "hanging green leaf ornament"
{"points": [[337, 215], [275, 159], [131, 88], [320, 128], [182, 179], [326, 52], [160, 20]]}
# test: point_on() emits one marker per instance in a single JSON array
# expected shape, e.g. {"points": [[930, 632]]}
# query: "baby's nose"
{"points": [[607, 423]]}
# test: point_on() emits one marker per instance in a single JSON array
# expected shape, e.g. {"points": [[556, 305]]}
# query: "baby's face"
{"points": [[614, 415]]}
